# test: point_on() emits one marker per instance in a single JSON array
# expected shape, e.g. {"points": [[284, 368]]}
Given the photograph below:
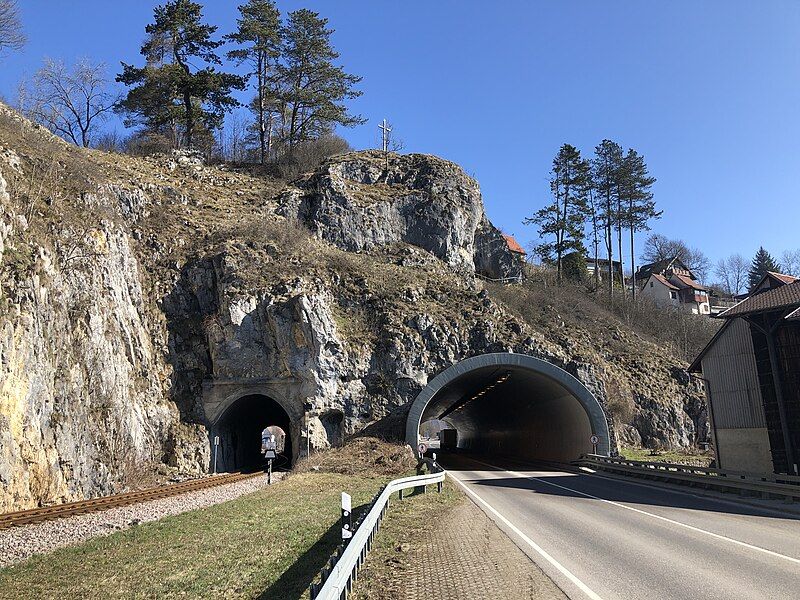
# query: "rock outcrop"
{"points": [[133, 290], [355, 202]]}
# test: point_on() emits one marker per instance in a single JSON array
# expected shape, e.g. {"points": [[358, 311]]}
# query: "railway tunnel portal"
{"points": [[515, 405]]}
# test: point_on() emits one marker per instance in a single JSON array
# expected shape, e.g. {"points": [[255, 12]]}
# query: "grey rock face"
{"points": [[355, 202], [120, 345]]}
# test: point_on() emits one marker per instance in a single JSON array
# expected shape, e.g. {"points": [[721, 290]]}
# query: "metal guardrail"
{"points": [[767, 485], [340, 572]]}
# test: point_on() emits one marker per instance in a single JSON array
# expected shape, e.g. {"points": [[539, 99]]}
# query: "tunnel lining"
{"points": [[590, 405]]}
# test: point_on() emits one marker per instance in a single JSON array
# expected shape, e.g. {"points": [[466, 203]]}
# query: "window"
{"points": [[651, 284], [673, 295]]}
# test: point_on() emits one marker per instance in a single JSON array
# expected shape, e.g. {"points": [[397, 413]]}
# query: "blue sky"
{"points": [[708, 91]]}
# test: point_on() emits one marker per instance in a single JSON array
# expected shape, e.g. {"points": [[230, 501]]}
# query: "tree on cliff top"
{"points": [[169, 93], [259, 37], [71, 101], [11, 36], [315, 89], [762, 262], [606, 170], [638, 205], [565, 218]]}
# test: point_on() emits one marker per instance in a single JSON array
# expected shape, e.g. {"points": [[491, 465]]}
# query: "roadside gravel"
{"points": [[19, 543]]}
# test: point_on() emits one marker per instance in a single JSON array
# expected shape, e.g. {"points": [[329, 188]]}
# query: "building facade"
{"points": [[751, 370]]}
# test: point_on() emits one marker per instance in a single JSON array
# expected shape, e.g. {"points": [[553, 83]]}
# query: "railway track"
{"points": [[58, 511]]}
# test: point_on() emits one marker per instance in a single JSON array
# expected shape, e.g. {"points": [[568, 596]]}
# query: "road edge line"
{"points": [[539, 550], [649, 514]]}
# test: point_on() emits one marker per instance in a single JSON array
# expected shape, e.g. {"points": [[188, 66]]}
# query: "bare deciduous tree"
{"points": [[71, 101], [732, 272], [790, 262], [11, 36]]}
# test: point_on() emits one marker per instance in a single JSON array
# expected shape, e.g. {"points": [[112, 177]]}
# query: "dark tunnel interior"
{"points": [[240, 429], [513, 411]]}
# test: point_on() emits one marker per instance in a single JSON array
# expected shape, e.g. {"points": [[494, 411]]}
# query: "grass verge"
{"points": [[269, 544], [406, 524], [697, 458]]}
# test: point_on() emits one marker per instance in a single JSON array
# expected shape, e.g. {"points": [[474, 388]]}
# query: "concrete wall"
{"points": [[745, 450]]}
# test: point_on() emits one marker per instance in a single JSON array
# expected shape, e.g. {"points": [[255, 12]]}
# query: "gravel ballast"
{"points": [[19, 543]]}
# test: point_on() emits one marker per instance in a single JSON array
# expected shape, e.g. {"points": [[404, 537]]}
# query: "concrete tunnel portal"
{"points": [[239, 428], [513, 405]]}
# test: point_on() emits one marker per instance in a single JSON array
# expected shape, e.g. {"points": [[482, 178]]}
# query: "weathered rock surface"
{"points": [[355, 202], [138, 296]]}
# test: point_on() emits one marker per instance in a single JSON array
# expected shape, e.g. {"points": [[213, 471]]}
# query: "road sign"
{"points": [[594, 439], [422, 448]]}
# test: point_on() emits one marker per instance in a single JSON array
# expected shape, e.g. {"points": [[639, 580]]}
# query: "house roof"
{"points": [[643, 272], [689, 282], [663, 281], [784, 296], [781, 277], [513, 245]]}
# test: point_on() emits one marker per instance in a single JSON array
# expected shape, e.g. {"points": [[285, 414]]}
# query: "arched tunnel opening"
{"points": [[509, 405], [239, 429]]}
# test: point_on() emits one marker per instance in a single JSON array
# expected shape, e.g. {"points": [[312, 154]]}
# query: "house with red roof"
{"points": [[672, 283]]}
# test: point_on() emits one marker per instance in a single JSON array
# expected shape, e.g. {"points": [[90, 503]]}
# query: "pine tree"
{"points": [[762, 262], [259, 35], [315, 88], [565, 218], [606, 170], [637, 200], [170, 92]]}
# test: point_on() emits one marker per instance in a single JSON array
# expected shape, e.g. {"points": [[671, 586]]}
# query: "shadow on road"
{"points": [[632, 491]]}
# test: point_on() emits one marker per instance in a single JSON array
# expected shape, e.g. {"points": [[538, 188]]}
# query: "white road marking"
{"points": [[649, 514], [566, 572]]}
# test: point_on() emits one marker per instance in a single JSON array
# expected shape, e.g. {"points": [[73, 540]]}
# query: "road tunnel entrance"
{"points": [[513, 405], [240, 427]]}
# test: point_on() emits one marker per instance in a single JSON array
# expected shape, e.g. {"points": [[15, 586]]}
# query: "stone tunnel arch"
{"points": [[513, 404], [239, 424]]}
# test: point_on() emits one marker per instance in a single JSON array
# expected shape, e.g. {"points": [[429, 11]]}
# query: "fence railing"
{"points": [[338, 575], [767, 484]]}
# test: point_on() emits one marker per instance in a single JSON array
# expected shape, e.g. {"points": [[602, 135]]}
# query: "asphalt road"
{"points": [[604, 538]]}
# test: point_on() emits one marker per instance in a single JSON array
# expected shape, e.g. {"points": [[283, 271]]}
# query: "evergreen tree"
{"points": [[315, 88], [762, 262], [170, 92], [637, 200], [606, 171], [259, 35], [565, 218]]}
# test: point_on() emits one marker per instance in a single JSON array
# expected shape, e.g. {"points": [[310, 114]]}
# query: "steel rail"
{"points": [[768, 484], [338, 579], [58, 511]]}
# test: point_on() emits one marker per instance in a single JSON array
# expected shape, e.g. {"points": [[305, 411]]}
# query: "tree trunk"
{"points": [[261, 133], [619, 247], [187, 103], [633, 258]]}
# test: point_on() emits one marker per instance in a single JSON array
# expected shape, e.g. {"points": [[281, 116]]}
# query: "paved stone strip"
{"points": [[19, 543], [467, 556]]}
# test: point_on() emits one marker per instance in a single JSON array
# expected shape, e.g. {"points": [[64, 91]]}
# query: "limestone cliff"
{"points": [[137, 293]]}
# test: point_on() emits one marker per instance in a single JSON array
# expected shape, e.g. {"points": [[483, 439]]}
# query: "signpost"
{"points": [[422, 448], [595, 440], [216, 446], [347, 517], [268, 449]]}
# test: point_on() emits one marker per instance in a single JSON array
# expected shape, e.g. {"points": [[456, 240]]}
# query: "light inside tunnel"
{"points": [[532, 411], [240, 427]]}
